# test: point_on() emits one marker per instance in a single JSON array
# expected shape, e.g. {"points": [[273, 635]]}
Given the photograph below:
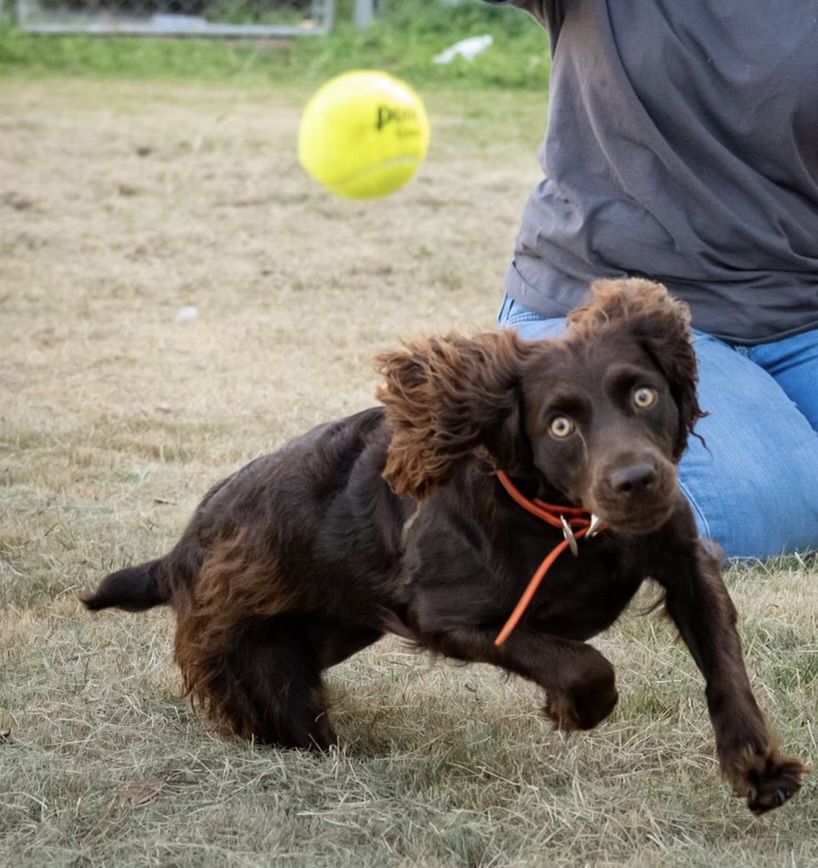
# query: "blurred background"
{"points": [[402, 36]]}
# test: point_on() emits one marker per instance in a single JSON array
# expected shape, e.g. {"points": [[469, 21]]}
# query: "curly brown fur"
{"points": [[392, 520], [444, 398], [236, 592]]}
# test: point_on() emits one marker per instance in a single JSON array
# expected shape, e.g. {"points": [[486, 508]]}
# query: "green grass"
{"points": [[403, 42]]}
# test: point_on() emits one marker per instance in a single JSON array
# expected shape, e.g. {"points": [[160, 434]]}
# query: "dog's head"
{"points": [[602, 415]]}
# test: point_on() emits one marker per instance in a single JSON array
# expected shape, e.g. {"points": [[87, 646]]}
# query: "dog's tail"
{"points": [[133, 589]]}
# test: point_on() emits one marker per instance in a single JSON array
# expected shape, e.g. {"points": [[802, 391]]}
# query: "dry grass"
{"points": [[120, 205]]}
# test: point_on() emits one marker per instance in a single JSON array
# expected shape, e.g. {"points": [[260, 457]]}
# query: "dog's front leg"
{"points": [[578, 681], [700, 606]]}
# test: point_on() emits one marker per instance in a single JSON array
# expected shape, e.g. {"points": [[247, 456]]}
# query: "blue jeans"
{"points": [[754, 489]]}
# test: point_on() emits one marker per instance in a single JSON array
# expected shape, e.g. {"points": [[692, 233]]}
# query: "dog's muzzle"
{"points": [[636, 496]]}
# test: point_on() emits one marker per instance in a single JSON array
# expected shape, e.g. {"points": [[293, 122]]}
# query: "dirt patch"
{"points": [[125, 203]]}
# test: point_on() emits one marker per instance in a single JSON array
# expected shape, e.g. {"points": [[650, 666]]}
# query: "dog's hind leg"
{"points": [[265, 685]]}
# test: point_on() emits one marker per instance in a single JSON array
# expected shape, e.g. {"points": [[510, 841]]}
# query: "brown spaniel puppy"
{"points": [[396, 520]]}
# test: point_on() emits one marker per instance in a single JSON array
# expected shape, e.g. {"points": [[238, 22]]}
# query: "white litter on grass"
{"points": [[187, 313], [172, 23], [468, 49]]}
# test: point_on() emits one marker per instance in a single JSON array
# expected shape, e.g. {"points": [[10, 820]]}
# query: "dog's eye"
{"points": [[561, 427], [644, 397]]}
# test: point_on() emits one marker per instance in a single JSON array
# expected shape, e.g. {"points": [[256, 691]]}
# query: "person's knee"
{"points": [[753, 497], [752, 486]]}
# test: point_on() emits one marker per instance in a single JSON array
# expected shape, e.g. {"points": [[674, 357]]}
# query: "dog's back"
{"points": [[282, 505]]}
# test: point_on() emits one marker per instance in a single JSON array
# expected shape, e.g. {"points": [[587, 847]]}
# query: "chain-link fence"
{"points": [[177, 17]]}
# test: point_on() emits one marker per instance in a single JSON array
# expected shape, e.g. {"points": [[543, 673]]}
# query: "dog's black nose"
{"points": [[634, 479]]}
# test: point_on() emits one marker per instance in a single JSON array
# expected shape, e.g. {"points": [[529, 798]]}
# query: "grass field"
{"points": [[121, 203], [403, 41]]}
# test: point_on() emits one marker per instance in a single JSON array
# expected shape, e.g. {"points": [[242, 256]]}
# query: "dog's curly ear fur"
{"points": [[445, 397], [661, 324]]}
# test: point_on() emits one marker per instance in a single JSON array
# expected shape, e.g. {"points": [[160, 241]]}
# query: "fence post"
{"points": [[363, 13]]}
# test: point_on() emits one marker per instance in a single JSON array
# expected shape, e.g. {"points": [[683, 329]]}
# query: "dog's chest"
{"points": [[466, 573], [580, 595]]}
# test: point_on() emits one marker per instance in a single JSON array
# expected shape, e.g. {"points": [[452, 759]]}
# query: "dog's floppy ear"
{"points": [[445, 397], [662, 325]]}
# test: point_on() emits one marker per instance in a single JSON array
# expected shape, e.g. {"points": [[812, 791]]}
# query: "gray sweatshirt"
{"points": [[682, 145]]}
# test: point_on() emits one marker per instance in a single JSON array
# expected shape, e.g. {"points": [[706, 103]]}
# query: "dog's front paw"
{"points": [[765, 778]]}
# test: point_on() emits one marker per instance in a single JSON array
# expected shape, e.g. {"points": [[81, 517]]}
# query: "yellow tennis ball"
{"points": [[363, 134]]}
